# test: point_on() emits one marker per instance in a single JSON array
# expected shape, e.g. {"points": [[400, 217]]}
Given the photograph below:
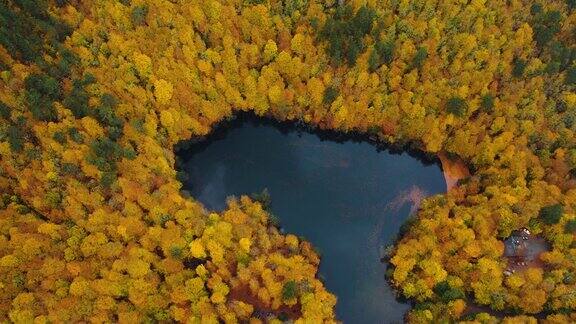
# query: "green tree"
{"points": [[383, 53], [551, 214], [545, 26], [345, 32], [570, 226], [487, 103], [104, 153], [330, 94], [138, 15], [41, 92], [15, 137], [456, 106], [570, 78], [77, 100], [289, 290], [75, 135], [59, 137], [106, 115], [4, 110], [518, 67], [448, 293], [419, 58]]}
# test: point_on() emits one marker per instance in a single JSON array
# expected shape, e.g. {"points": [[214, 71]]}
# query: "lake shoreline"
{"points": [[388, 209], [454, 169], [220, 129]]}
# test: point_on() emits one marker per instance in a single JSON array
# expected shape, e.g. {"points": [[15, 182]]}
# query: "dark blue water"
{"points": [[347, 198]]}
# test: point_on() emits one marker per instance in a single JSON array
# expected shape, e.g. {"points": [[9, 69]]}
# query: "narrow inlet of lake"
{"points": [[346, 197]]}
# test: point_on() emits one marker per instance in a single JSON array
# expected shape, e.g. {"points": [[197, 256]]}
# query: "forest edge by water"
{"points": [[129, 79], [453, 169]]}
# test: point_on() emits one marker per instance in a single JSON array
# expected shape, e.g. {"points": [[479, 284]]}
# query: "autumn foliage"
{"points": [[95, 94]]}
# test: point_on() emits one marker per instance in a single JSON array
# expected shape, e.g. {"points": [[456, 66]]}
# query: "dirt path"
{"points": [[453, 170]]}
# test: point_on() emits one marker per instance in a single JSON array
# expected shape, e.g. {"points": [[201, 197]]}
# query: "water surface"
{"points": [[346, 197]]}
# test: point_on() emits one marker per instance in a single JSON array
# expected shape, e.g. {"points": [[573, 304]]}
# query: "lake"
{"points": [[344, 195]]}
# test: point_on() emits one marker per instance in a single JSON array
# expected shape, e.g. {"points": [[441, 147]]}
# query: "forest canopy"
{"points": [[95, 94]]}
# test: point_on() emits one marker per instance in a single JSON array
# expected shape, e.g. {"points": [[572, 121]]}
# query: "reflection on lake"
{"points": [[347, 198]]}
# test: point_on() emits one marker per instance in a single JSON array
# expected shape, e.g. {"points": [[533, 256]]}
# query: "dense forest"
{"points": [[95, 94]]}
